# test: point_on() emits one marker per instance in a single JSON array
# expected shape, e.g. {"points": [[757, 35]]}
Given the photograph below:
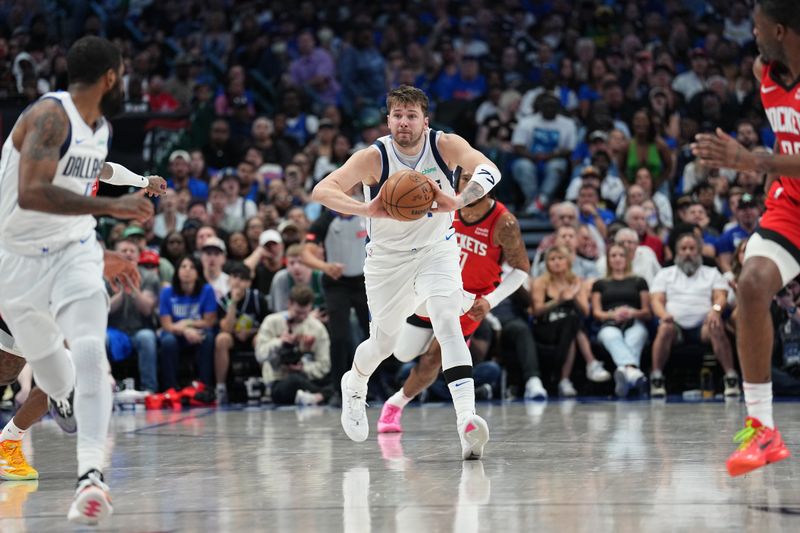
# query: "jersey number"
{"points": [[463, 260]]}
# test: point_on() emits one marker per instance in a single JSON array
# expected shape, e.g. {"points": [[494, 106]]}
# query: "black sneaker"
{"points": [[63, 413], [658, 388]]}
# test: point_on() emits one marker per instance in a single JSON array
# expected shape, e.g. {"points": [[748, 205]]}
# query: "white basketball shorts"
{"points": [[398, 283], [33, 289]]}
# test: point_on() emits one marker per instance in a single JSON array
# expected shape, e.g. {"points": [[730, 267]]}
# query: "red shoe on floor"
{"points": [[759, 446]]}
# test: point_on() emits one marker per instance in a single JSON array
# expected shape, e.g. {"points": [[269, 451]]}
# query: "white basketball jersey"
{"points": [[430, 229], [83, 153]]}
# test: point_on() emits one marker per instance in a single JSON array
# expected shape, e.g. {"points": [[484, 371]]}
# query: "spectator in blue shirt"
{"points": [[590, 211], [747, 212], [188, 312], [362, 72], [180, 177]]}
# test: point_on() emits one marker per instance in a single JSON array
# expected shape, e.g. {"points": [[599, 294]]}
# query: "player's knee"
{"points": [[753, 284], [91, 365], [10, 367]]}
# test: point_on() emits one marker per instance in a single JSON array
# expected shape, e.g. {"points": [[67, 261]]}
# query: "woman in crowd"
{"points": [[621, 302], [188, 312], [173, 247], [648, 149], [558, 302]]}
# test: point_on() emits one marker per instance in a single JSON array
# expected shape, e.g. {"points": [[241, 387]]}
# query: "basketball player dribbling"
{"points": [[772, 256], [51, 265], [488, 235], [412, 265]]}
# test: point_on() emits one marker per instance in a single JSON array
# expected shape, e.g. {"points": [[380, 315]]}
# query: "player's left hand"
{"points": [[444, 202], [480, 308], [116, 269], [156, 187], [720, 150]]}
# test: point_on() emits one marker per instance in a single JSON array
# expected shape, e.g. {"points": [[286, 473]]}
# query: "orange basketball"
{"points": [[407, 195]]}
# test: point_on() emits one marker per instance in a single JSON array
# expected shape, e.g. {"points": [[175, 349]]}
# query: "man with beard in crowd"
{"points": [[688, 300]]}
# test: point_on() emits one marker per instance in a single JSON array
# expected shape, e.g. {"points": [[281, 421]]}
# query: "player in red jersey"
{"points": [[772, 257], [488, 235]]}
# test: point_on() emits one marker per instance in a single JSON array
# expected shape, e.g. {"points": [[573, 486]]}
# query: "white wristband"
{"points": [[123, 176], [486, 176], [510, 283]]}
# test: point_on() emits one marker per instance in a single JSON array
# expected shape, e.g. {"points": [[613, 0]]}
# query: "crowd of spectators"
{"points": [[588, 108]]}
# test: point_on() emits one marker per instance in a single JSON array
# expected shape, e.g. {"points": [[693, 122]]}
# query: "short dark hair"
{"points": [[240, 270], [301, 295], [783, 12], [406, 94], [91, 57]]}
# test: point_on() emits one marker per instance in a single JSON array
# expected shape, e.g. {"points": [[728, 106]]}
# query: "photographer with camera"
{"points": [[293, 348]]}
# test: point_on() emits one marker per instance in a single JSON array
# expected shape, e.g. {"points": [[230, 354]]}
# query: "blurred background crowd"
{"points": [[588, 107]]}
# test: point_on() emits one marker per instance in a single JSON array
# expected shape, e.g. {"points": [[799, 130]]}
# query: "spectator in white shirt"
{"points": [[688, 299], [169, 218], [543, 144], [693, 81]]}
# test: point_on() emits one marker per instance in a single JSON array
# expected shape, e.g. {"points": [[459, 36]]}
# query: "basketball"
{"points": [[407, 195]]}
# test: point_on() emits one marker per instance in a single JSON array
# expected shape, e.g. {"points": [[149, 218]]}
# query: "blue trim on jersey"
{"points": [[414, 166], [374, 190], [64, 147], [439, 160]]}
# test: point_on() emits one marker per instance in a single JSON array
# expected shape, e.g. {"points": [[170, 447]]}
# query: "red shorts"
{"points": [[781, 220]]}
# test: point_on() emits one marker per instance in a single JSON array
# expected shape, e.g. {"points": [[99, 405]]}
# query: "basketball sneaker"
{"points": [[63, 414], [354, 412], [474, 433], [13, 466], [759, 446], [389, 421], [92, 502]]}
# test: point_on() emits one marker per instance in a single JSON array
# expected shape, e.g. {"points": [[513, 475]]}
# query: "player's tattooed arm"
{"points": [[472, 192], [509, 237], [45, 128]]}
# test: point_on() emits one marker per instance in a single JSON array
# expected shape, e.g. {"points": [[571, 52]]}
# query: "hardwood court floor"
{"points": [[561, 467]]}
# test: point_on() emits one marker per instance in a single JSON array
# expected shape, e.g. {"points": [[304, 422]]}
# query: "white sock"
{"points": [[11, 432], [758, 398], [222, 387], [463, 393], [399, 399]]}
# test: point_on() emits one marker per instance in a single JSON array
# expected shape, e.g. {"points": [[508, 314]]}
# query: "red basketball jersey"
{"points": [[782, 107], [480, 257]]}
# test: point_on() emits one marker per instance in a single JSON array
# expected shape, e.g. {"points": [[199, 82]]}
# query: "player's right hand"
{"points": [[375, 208], [133, 206]]}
